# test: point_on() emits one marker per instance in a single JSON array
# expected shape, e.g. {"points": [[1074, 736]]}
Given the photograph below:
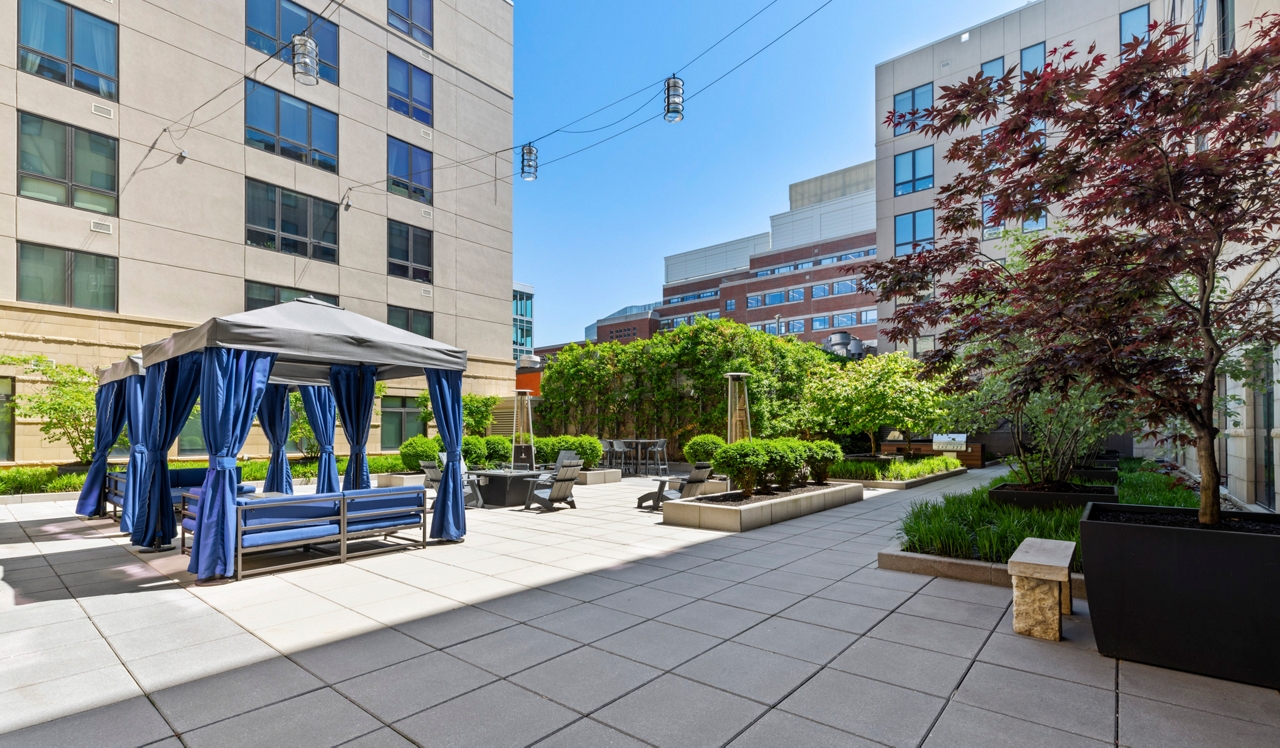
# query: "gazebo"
{"points": [[243, 365]]}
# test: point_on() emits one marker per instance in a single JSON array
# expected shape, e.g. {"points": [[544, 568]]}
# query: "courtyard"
{"points": [[595, 626]]}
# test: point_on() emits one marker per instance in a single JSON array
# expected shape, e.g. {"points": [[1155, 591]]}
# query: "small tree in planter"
{"points": [[745, 462], [821, 455], [702, 448]]}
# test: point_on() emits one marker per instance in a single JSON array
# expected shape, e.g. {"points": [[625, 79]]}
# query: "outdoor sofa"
{"points": [[181, 480]]}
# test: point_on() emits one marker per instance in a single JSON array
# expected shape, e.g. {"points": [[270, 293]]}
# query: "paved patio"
{"points": [[592, 627]]}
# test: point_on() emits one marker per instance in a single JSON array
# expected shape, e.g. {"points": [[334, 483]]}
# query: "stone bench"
{"points": [[1041, 571]]}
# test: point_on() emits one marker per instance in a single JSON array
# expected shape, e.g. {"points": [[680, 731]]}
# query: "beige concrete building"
{"points": [[160, 168], [910, 167]]}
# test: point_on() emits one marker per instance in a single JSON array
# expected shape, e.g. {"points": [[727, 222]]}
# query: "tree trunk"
{"points": [[872, 435], [1210, 494]]}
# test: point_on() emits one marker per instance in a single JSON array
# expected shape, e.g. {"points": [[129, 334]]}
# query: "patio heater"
{"points": [[522, 430], [739, 407]]}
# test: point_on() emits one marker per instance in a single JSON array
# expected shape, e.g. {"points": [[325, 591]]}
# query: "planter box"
{"points": [[1203, 601], [894, 558], [1051, 499], [1105, 463], [399, 479], [901, 484], [691, 513], [1111, 475], [597, 476], [714, 486]]}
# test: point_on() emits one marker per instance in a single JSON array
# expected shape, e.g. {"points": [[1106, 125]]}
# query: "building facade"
{"points": [[164, 167], [910, 167], [800, 278], [521, 320]]}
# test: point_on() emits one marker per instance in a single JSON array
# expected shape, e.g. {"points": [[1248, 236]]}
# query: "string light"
{"points": [[675, 99], [529, 162]]}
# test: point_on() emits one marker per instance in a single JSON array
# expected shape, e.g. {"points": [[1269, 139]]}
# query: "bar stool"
{"points": [[623, 453], [656, 455], [610, 454]]}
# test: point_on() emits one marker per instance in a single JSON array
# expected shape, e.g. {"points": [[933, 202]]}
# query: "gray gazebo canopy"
{"points": [[308, 336], [130, 367]]}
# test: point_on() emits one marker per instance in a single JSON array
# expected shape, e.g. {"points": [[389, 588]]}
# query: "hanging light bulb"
{"points": [[306, 62], [675, 99], [529, 163]]}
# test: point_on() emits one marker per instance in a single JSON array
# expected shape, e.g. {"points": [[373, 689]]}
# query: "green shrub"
{"points": [[786, 460], [385, 464], [68, 482], [900, 470], [702, 448], [821, 455], [588, 449], [474, 451], [745, 462], [547, 448], [498, 448], [26, 479], [417, 450]]}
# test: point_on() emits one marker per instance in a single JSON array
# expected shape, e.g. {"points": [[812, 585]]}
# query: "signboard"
{"points": [[950, 442]]}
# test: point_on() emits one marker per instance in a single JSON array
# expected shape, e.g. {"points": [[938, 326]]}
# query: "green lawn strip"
{"points": [[971, 526], [900, 470]]}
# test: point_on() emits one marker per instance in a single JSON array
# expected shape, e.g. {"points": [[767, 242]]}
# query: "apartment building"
{"points": [[800, 278], [164, 165], [521, 320], [910, 167]]}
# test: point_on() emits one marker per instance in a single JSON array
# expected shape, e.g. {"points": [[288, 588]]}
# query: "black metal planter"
{"points": [[1050, 499], [1111, 475], [1204, 601]]}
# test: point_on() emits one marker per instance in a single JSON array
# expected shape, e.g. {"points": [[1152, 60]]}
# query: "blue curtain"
{"points": [[168, 396], [353, 392], [318, 402], [106, 431], [275, 418], [134, 483], [449, 520], [231, 388]]}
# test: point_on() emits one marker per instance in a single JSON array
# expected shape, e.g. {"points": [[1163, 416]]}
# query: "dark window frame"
{"points": [[69, 258], [920, 118], [1145, 35], [276, 138], [1022, 68], [69, 149], [397, 20], [409, 413], [280, 234], [330, 298], [410, 266], [820, 323], [412, 190], [70, 63], [731, 305], [792, 292], [915, 182], [283, 48], [410, 108], [431, 318], [925, 242]]}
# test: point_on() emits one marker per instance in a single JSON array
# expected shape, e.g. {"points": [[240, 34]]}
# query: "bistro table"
{"points": [[639, 445], [504, 487]]}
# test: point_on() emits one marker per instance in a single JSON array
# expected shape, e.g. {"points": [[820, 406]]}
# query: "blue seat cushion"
{"points": [[290, 534], [243, 489], [382, 523], [408, 499]]}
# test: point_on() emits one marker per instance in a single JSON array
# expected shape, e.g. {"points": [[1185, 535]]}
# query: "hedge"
{"points": [[893, 469]]}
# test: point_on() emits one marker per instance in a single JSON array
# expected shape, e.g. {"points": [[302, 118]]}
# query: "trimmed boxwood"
{"points": [[745, 462], [820, 456], [702, 448]]}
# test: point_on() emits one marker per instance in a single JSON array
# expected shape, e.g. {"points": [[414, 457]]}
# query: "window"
{"points": [[826, 261], [804, 265], [1226, 26], [820, 323], [1036, 224], [287, 126], [522, 304], [400, 421], [868, 317], [708, 294], [918, 100], [921, 345], [1133, 23], [412, 17], [990, 227], [730, 305], [1033, 59], [763, 273], [842, 287], [62, 164], [713, 315], [848, 319], [191, 438], [753, 302], [817, 292], [409, 253], [795, 325], [415, 321], [993, 68], [781, 270], [6, 419], [262, 295], [913, 171], [67, 45], [912, 229], [774, 297], [757, 328], [286, 221], [408, 171], [271, 24], [408, 90], [771, 328], [48, 275], [795, 294]]}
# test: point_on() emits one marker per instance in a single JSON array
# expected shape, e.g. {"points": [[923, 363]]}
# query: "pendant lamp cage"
{"points": [[529, 162], [675, 99], [306, 60]]}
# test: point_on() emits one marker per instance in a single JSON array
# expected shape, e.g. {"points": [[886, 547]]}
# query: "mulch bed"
{"points": [[735, 498], [1190, 522]]}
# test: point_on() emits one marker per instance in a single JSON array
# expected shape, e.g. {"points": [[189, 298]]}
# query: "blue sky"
{"points": [[591, 232]]}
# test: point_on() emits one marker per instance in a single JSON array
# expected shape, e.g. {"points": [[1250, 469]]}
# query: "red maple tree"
{"points": [[1159, 171]]}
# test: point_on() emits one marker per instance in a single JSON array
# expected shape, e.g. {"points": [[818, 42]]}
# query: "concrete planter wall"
{"points": [[691, 513], [894, 558], [598, 476]]}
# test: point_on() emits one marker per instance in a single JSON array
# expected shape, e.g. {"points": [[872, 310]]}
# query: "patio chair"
{"points": [[470, 485], [656, 455], [620, 447], [559, 488], [611, 454], [564, 456], [682, 487]]}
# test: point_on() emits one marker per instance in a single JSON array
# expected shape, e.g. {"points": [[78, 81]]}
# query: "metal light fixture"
{"points": [[529, 162], [306, 60], [675, 99]]}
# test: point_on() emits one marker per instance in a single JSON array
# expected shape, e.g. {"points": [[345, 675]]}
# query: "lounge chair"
{"points": [[557, 489], [682, 487], [471, 495]]}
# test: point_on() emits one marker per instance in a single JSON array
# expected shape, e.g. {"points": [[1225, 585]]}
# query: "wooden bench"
{"points": [[1041, 571]]}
